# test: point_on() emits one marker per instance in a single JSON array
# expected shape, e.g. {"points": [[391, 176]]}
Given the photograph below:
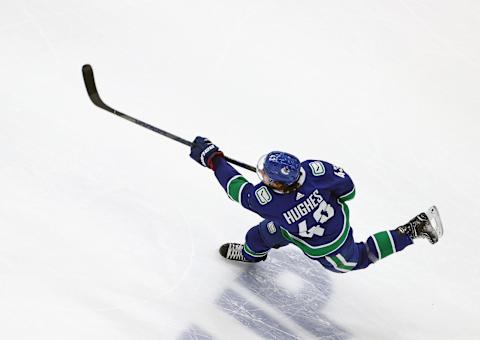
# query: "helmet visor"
{"points": [[262, 175]]}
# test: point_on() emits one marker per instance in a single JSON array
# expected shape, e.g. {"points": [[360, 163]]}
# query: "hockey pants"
{"points": [[350, 256]]}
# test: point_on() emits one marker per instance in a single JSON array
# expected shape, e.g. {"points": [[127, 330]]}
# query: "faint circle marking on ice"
{"points": [[290, 282]]}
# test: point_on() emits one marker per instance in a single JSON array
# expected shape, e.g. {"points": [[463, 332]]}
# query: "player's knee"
{"points": [[272, 234], [254, 239], [255, 248]]}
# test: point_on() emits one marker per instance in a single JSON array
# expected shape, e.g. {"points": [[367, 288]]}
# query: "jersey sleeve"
{"points": [[342, 184], [237, 187]]}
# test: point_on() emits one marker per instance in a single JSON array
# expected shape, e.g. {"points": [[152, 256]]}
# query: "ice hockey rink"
{"points": [[110, 231]]}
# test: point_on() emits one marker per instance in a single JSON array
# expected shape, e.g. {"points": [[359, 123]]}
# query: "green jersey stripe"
{"points": [[348, 196], [334, 264], [235, 186], [384, 243], [344, 262], [340, 264], [251, 252], [325, 249]]}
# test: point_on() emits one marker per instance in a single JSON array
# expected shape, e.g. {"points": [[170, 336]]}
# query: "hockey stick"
{"points": [[92, 91]]}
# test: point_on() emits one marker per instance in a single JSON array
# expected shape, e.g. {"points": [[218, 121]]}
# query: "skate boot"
{"points": [[233, 251], [425, 225]]}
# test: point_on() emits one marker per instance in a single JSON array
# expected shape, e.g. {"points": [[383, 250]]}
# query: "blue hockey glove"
{"points": [[203, 151]]}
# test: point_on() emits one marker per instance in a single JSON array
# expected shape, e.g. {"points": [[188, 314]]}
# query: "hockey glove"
{"points": [[203, 151]]}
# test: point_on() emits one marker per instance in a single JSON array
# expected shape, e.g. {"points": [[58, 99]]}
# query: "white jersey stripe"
{"points": [[344, 262], [391, 241], [332, 262]]}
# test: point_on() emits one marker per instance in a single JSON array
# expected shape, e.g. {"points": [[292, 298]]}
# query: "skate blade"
{"points": [[435, 220]]}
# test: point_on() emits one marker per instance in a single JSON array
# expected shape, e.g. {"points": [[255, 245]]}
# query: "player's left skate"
{"points": [[426, 225], [233, 251]]}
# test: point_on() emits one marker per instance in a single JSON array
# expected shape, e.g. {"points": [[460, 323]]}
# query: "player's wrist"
{"points": [[215, 159]]}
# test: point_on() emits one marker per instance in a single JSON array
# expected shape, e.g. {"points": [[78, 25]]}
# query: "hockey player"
{"points": [[305, 203]]}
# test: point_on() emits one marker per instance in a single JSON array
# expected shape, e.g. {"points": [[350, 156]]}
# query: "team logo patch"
{"points": [[263, 195], [271, 228], [317, 168]]}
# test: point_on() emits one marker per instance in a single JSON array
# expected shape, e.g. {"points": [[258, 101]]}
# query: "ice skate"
{"points": [[233, 251], [425, 225]]}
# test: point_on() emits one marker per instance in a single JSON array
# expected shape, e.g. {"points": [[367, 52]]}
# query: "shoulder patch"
{"points": [[318, 169], [263, 195]]}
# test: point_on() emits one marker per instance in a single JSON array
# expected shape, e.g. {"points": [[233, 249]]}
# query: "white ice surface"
{"points": [[109, 231]]}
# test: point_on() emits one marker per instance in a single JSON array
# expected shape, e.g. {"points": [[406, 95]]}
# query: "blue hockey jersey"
{"points": [[315, 217]]}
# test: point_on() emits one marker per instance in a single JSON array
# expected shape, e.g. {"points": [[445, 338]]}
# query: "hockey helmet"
{"points": [[278, 168]]}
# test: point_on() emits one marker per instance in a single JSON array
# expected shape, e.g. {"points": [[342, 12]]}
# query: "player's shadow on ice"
{"points": [[291, 283]]}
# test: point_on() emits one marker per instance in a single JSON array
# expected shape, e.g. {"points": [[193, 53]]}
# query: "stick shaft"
{"points": [[92, 91]]}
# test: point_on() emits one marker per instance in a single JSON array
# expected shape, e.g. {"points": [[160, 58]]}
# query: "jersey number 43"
{"points": [[321, 215]]}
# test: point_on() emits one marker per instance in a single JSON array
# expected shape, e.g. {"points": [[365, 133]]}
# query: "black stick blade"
{"points": [[92, 91]]}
